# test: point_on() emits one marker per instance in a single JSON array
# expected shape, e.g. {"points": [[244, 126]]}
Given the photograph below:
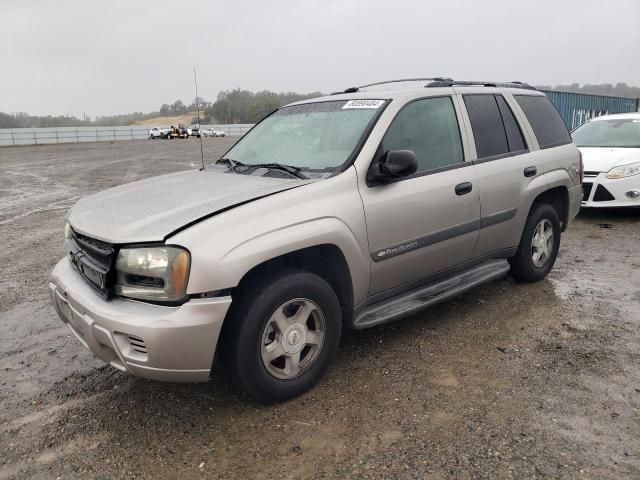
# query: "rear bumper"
{"points": [[612, 193], [174, 344]]}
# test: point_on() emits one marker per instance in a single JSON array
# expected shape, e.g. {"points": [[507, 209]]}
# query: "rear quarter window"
{"points": [[546, 122]]}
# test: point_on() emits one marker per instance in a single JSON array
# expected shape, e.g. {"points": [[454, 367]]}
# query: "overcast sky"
{"points": [[70, 57]]}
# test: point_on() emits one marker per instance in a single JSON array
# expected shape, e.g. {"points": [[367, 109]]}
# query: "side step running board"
{"points": [[415, 300]]}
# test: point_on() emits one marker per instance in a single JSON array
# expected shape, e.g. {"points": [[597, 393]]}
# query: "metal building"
{"points": [[577, 108]]}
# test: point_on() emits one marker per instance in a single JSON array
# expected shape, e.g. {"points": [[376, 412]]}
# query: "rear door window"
{"points": [[486, 123], [546, 122], [511, 127]]}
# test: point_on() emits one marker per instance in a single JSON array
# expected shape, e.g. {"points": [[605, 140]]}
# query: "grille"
{"points": [[602, 195], [586, 191], [94, 260], [590, 174], [137, 344]]}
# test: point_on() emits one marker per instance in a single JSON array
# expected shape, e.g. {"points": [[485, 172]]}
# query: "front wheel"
{"points": [[539, 245], [282, 336]]}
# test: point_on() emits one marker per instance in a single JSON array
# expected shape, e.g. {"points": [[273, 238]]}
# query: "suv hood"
{"points": [[603, 159], [152, 209]]}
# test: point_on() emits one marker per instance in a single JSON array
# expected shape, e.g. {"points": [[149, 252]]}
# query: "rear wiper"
{"points": [[295, 171]]}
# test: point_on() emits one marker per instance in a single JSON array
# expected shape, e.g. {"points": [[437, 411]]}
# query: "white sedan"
{"points": [[210, 132], [156, 132], [610, 147]]}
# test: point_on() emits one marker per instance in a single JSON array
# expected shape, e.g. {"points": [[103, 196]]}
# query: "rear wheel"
{"points": [[282, 336], [539, 245]]}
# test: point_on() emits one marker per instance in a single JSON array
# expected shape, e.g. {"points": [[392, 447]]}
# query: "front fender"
{"points": [[320, 231], [226, 246]]}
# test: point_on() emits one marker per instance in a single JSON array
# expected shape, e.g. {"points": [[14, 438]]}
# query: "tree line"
{"points": [[24, 120], [244, 106]]}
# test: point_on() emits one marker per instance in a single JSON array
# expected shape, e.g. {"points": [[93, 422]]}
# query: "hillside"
{"points": [[185, 119]]}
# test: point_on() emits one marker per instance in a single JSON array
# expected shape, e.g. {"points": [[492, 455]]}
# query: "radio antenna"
{"points": [[195, 82]]}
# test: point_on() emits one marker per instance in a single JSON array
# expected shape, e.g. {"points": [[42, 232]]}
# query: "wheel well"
{"points": [[557, 197], [326, 261]]}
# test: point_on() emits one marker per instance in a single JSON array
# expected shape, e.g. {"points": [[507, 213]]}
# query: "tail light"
{"points": [[581, 166]]}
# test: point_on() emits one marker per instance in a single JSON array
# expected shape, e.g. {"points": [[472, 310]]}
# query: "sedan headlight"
{"points": [[157, 274], [624, 171]]}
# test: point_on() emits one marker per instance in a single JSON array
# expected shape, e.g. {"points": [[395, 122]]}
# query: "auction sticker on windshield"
{"points": [[363, 104]]}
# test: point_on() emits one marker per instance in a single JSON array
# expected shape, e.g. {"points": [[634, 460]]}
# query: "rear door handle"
{"points": [[464, 188], [530, 172]]}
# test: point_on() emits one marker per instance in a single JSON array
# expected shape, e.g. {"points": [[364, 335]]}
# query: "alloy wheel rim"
{"points": [[292, 338], [542, 243]]}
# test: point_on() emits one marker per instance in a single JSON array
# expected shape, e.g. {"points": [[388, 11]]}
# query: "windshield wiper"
{"points": [[290, 169], [232, 163], [295, 171]]}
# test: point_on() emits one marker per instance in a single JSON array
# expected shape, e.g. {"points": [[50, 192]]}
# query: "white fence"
{"points": [[37, 136]]}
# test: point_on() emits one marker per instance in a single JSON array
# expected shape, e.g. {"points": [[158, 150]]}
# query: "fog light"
{"points": [[633, 194]]}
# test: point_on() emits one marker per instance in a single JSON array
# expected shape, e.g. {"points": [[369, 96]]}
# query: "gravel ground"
{"points": [[507, 381]]}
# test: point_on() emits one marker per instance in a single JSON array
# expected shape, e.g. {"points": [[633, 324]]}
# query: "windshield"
{"points": [[608, 133], [312, 136]]}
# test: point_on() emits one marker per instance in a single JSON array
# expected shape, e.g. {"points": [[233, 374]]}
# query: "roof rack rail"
{"points": [[442, 82], [400, 80], [451, 83]]}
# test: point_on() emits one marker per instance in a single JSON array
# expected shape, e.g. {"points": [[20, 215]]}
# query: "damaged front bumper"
{"points": [[175, 344]]}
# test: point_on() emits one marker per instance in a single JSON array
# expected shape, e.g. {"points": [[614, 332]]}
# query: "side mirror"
{"points": [[394, 165]]}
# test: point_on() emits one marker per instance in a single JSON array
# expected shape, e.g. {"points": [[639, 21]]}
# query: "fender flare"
{"points": [[244, 257]]}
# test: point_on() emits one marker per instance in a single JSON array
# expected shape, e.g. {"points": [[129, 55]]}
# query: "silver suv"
{"points": [[345, 211]]}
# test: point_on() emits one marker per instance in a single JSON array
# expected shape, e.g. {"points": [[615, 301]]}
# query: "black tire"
{"points": [[523, 267], [244, 334]]}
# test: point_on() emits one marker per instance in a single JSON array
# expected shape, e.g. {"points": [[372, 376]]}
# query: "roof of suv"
{"points": [[426, 88]]}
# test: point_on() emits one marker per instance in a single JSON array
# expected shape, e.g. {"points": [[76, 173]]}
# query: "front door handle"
{"points": [[464, 188], [530, 171]]}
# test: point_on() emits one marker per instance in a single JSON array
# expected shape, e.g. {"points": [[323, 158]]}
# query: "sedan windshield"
{"points": [[312, 136], [608, 133]]}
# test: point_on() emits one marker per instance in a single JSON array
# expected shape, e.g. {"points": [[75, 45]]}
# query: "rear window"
{"points": [[545, 120]]}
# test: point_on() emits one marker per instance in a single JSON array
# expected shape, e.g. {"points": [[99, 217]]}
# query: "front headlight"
{"points": [[153, 273], [624, 171]]}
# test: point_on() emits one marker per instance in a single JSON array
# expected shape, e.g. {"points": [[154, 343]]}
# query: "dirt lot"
{"points": [[508, 381]]}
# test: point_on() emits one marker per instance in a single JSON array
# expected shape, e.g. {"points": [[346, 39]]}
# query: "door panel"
{"points": [[420, 226], [504, 190]]}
